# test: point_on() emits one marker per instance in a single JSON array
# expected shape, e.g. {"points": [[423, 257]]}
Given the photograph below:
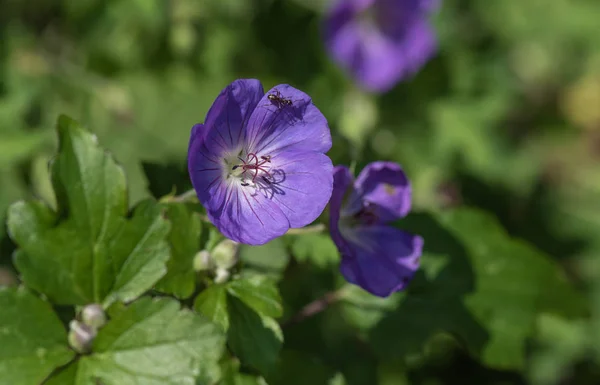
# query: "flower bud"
{"points": [[225, 254], [202, 261], [93, 315], [222, 275], [81, 336]]}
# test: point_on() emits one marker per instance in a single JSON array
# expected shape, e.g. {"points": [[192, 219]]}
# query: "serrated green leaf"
{"points": [[153, 341], [184, 239], [255, 339], [33, 340], [488, 294], [317, 249], [258, 292], [212, 303], [88, 251]]}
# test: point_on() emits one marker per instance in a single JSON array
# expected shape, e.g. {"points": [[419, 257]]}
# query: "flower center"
{"points": [[250, 168], [364, 216]]}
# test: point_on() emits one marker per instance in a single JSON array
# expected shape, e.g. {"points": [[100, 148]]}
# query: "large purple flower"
{"points": [[258, 162], [380, 42], [379, 258]]}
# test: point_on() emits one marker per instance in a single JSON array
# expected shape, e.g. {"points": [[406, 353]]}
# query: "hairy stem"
{"points": [[317, 306], [186, 196]]}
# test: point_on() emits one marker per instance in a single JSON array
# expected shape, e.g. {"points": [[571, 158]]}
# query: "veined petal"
{"points": [[301, 186], [386, 188], [246, 215], [204, 167], [287, 122], [230, 113], [380, 259]]}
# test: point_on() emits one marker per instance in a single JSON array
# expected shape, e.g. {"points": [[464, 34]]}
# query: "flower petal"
{"points": [[342, 181], [275, 127], [302, 185], [245, 215], [229, 113], [381, 259], [204, 167], [386, 188], [380, 53]]}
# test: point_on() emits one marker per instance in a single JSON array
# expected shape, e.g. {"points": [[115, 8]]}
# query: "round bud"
{"points": [[222, 275], [225, 254], [202, 261], [81, 336], [93, 315]]}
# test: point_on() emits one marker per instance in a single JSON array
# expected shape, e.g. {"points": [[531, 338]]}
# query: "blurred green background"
{"points": [[506, 118]]}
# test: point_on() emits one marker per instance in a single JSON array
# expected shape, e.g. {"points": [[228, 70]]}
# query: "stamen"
{"points": [[252, 163]]}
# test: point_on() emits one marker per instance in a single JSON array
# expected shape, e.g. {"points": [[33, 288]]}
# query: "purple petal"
{"points": [[275, 127], [245, 215], [382, 61], [386, 188], [382, 52], [302, 185], [342, 181], [229, 113], [204, 167], [381, 259]]}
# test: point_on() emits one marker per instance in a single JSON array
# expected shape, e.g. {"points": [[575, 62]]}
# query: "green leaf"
{"points": [[299, 368], [88, 251], [232, 376], [270, 259], [255, 339], [489, 293], [258, 292], [152, 342], [33, 340], [185, 243], [212, 303], [317, 249]]}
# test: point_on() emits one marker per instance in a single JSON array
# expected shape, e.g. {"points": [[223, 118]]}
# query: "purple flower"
{"points": [[258, 162], [379, 258], [380, 42]]}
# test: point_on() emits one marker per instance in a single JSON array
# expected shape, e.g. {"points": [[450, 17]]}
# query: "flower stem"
{"points": [[188, 195], [317, 306], [319, 227]]}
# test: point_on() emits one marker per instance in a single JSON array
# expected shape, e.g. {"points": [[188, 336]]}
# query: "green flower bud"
{"points": [[203, 261], [93, 315], [222, 275], [81, 336], [225, 254]]}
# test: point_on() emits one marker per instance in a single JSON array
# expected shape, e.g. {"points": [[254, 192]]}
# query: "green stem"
{"points": [[188, 195], [318, 305], [318, 228]]}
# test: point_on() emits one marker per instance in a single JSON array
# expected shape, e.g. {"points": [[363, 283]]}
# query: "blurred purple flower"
{"points": [[258, 162], [380, 42], [379, 258]]}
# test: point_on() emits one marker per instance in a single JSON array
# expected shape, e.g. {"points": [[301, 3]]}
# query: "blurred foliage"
{"points": [[505, 119]]}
